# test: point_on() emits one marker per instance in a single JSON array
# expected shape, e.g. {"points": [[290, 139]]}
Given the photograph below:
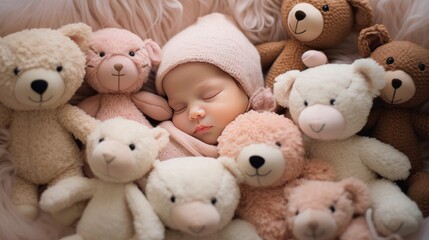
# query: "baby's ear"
{"points": [[232, 167]]}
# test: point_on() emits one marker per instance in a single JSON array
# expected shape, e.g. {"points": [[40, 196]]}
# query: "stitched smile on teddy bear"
{"points": [[305, 22], [399, 87]]}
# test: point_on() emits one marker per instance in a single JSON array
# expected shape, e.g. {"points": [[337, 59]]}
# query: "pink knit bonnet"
{"points": [[215, 39]]}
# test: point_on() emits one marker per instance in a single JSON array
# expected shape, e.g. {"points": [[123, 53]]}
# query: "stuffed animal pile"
{"points": [[330, 103]]}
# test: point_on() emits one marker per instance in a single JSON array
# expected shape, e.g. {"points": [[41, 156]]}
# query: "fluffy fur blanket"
{"points": [[160, 20]]}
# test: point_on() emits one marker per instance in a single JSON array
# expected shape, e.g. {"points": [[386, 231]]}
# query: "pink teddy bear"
{"points": [[118, 64]]}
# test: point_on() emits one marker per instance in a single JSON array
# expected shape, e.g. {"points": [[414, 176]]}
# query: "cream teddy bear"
{"points": [[40, 71], [326, 210], [119, 152], [331, 103], [196, 198]]}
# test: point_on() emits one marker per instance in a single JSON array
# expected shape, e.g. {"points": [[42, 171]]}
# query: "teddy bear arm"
{"points": [[90, 105], [239, 229], [5, 116], [66, 193], [384, 159], [269, 52], [420, 121], [146, 223], [318, 170], [358, 229], [77, 122], [152, 105]]}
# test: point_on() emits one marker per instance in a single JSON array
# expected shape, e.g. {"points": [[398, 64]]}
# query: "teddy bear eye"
{"points": [[102, 54], [100, 140], [332, 101], [325, 8], [297, 212], [278, 143], [214, 200], [390, 60], [132, 147], [422, 67], [59, 68], [332, 208], [132, 54], [305, 103], [173, 199], [16, 71]]}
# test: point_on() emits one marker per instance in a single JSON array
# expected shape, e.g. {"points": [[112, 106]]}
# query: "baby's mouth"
{"points": [[202, 128]]}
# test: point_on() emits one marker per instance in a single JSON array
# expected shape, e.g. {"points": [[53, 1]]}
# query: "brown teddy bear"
{"points": [[269, 153], [396, 120], [312, 24], [40, 71], [329, 210]]}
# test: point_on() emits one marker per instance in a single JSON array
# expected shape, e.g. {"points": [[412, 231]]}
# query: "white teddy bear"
{"points": [[331, 103], [196, 198], [119, 152]]}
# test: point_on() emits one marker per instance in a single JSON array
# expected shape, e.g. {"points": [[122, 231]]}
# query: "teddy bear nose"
{"points": [[300, 15], [396, 83], [256, 161], [39, 86], [118, 67]]}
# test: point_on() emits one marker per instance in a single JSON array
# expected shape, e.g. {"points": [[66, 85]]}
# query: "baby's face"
{"points": [[204, 100]]}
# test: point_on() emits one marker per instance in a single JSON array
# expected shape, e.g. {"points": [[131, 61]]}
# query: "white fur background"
{"points": [[160, 20]]}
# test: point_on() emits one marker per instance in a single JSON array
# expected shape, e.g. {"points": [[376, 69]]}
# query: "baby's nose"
{"points": [[196, 112]]}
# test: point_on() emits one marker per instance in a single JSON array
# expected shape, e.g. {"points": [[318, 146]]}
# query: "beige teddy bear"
{"points": [[119, 152], [196, 198], [326, 210], [40, 71]]}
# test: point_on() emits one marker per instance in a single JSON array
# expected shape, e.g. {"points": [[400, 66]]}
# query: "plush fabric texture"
{"points": [[41, 70], [329, 210], [196, 198], [395, 120], [215, 39], [348, 90], [184, 145], [119, 152], [312, 25], [265, 145]]}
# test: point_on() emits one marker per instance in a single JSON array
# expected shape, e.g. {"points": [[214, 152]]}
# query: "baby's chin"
{"points": [[208, 138]]}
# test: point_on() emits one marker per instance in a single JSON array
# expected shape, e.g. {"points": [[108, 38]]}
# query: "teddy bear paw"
{"points": [[313, 58], [28, 210], [403, 225]]}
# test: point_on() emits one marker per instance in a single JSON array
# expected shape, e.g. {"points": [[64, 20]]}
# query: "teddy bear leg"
{"points": [[69, 215], [25, 195], [358, 229], [418, 191], [394, 212], [240, 229]]}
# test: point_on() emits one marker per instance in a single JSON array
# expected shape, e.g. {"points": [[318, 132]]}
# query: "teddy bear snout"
{"points": [[321, 122], [39, 87], [196, 218], [261, 164], [314, 224], [118, 73], [399, 87], [305, 22]]}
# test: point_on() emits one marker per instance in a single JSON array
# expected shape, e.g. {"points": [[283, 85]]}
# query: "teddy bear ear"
{"points": [[161, 135], [359, 194], [154, 51], [373, 74], [363, 14], [283, 86], [232, 167], [371, 38], [80, 33]]}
